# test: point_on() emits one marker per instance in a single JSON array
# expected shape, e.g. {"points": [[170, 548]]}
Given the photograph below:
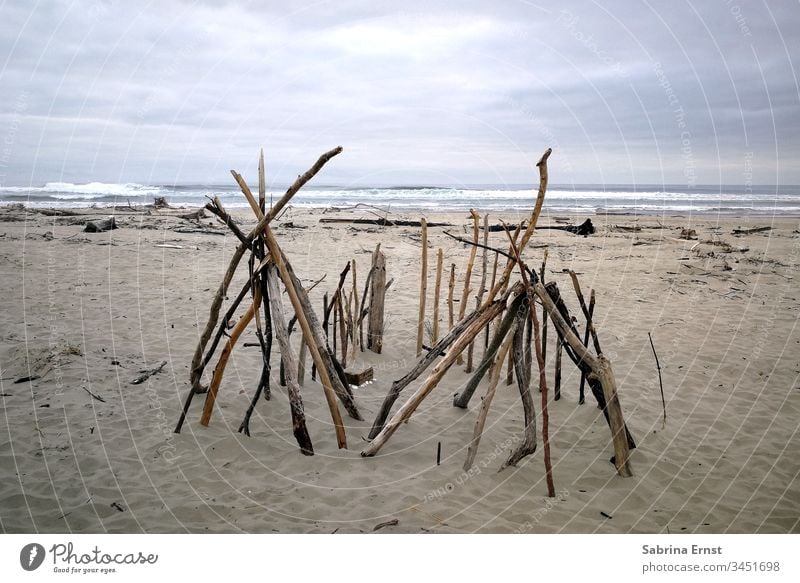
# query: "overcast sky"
{"points": [[416, 92]]}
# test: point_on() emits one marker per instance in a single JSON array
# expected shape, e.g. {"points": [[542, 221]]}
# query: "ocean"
{"points": [[583, 199]]}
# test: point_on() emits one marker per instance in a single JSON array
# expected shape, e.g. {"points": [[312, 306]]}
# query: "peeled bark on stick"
{"points": [[486, 402], [219, 370], [299, 428], [528, 444], [462, 308], [196, 372], [376, 303], [581, 392], [433, 379], [436, 292], [462, 399], [423, 287], [420, 367]]}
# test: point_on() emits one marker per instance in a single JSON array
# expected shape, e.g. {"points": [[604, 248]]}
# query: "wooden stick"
{"points": [[342, 329], [420, 367], [462, 399], [462, 308], [436, 292], [276, 209], [658, 366], [482, 288], [301, 363], [510, 370], [451, 319], [537, 209], [266, 351], [551, 491], [290, 366], [262, 183], [544, 312], [354, 316], [376, 302], [585, 310], [581, 392], [528, 444], [494, 278], [219, 370], [433, 379], [302, 317], [362, 311], [486, 402], [196, 373], [557, 382], [423, 286]]}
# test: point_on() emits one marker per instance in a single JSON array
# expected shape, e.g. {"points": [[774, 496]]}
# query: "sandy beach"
{"points": [[84, 450]]}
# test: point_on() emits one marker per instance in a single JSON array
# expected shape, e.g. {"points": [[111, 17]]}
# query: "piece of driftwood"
{"points": [[585, 229], [262, 182], [581, 389], [381, 222], [362, 311], [304, 312], [527, 445], [450, 289], [741, 231], [510, 370], [462, 399], [577, 286], [146, 374], [529, 229], [421, 366], [551, 491], [359, 378], [198, 364], [194, 215], [356, 314], [160, 202], [265, 343], [436, 375], [482, 287], [494, 279], [100, 226], [557, 378], [436, 296], [660, 384], [462, 307], [299, 428], [486, 402], [423, 286], [542, 278], [219, 370], [376, 302]]}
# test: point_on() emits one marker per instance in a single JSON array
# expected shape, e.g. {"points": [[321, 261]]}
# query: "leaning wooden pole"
{"points": [[436, 375], [423, 286], [581, 389], [462, 307], [482, 288], [290, 366], [486, 402], [219, 370], [302, 316]]}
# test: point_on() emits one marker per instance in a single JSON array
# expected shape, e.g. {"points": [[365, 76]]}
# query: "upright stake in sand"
{"points": [[436, 291], [482, 288], [423, 286], [462, 308], [451, 287]]}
